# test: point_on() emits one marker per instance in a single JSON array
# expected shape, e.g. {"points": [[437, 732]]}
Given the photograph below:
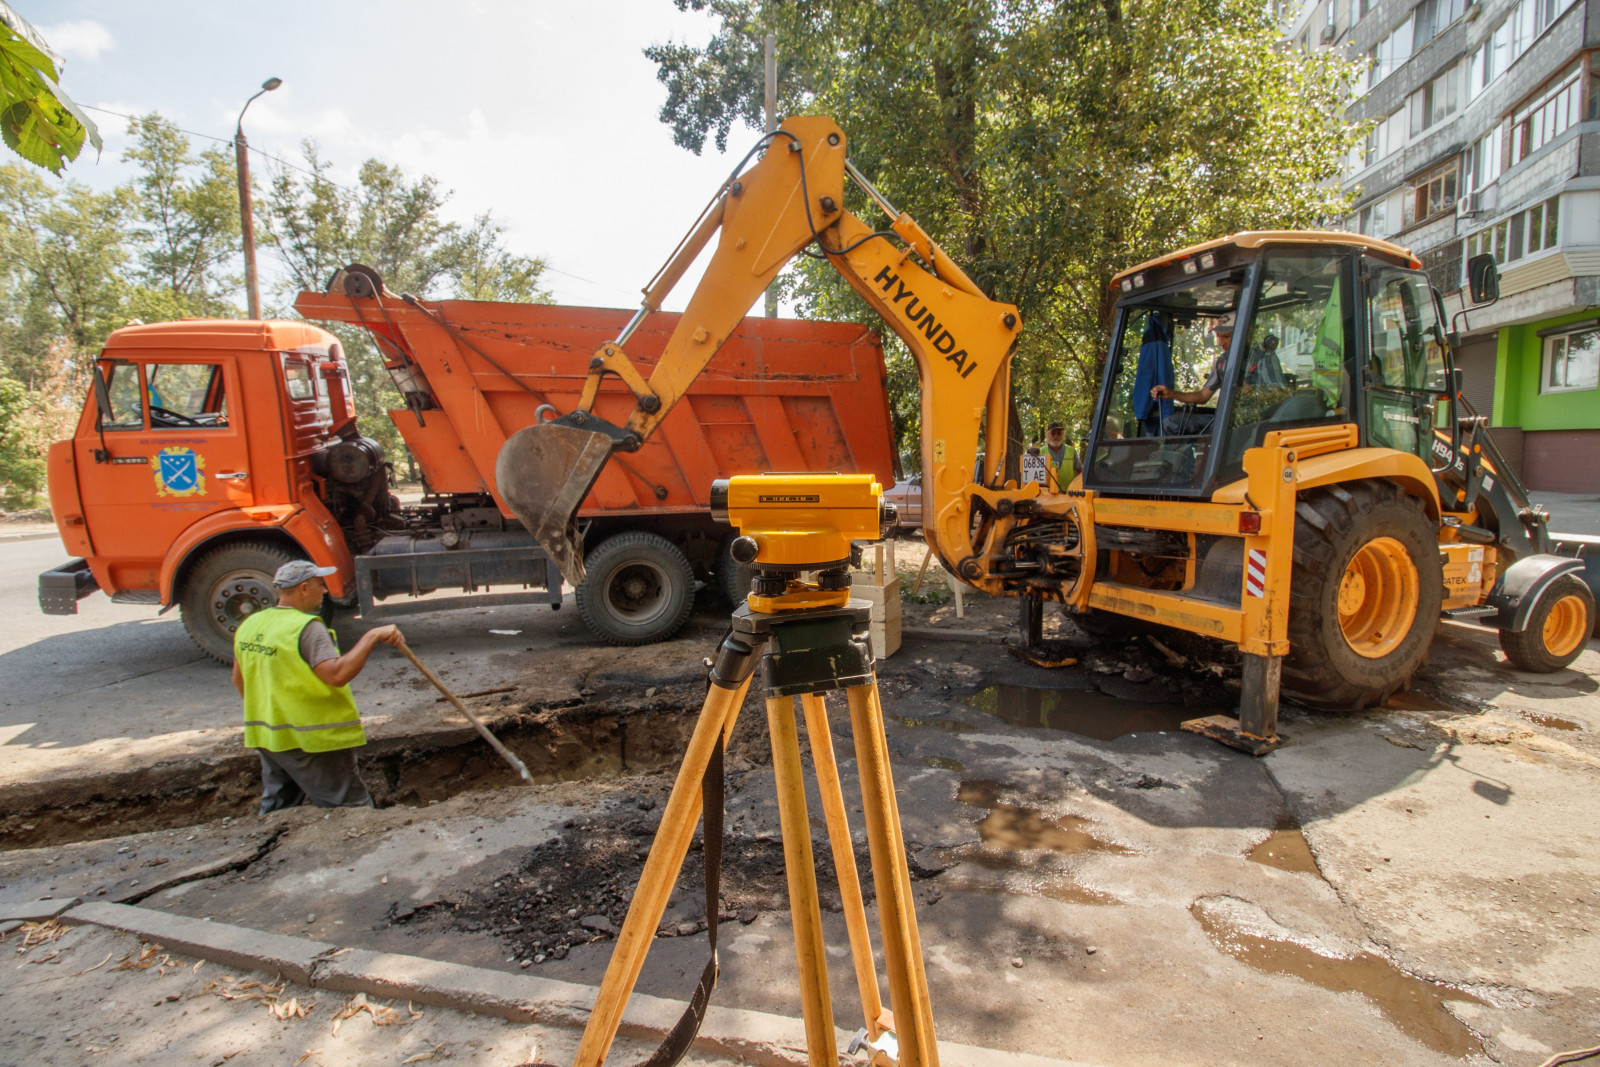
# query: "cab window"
{"points": [[188, 395], [1407, 341], [122, 385]]}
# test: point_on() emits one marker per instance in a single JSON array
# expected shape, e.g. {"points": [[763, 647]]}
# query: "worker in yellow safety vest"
{"points": [[1060, 457], [298, 711]]}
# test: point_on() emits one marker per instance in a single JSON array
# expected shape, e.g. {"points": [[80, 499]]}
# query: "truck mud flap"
{"points": [[60, 588]]}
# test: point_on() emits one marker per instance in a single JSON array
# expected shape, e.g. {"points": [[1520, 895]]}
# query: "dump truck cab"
{"points": [[197, 437]]}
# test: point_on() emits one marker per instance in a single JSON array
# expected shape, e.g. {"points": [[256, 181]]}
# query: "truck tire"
{"points": [[225, 586], [733, 577], [1557, 630], [1365, 595], [638, 589]]}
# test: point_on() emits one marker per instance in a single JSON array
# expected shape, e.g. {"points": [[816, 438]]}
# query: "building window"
{"points": [[1571, 362], [1386, 138], [1510, 39], [1484, 160], [1435, 191], [1591, 106], [1526, 232], [1435, 101], [1550, 114]]}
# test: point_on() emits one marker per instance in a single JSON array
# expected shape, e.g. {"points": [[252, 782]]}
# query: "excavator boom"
{"points": [[790, 199]]}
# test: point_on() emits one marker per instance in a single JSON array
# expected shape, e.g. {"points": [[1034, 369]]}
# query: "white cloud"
{"points": [[82, 39]]}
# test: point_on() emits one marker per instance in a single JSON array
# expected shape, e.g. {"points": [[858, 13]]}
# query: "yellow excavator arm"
{"points": [[789, 200]]}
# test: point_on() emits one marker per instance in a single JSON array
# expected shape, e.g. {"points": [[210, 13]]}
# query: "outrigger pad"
{"points": [[543, 472], [1225, 728]]}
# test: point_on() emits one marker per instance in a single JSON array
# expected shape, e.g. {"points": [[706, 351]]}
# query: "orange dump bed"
{"points": [[780, 395]]}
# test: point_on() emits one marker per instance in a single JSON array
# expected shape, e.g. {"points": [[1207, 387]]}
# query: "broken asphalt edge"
{"points": [[754, 1036]]}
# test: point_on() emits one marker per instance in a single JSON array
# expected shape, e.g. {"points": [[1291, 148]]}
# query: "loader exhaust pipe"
{"points": [[543, 472]]}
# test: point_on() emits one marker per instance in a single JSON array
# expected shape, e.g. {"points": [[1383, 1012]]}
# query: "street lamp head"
{"points": [[271, 84]]}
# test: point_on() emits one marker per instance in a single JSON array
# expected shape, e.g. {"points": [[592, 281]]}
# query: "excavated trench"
{"points": [[581, 740]]}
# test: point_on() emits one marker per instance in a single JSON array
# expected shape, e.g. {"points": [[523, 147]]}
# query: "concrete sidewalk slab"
{"points": [[750, 1036], [35, 910]]}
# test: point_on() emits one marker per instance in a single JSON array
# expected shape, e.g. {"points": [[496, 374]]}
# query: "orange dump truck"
{"points": [[210, 452]]}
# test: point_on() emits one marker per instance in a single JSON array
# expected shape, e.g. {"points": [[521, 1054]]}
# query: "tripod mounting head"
{"points": [[793, 523]]}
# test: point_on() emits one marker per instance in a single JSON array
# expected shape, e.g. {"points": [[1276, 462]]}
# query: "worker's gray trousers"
{"points": [[326, 779]]}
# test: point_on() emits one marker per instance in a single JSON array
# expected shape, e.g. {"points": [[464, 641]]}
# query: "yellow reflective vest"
{"points": [[286, 706]]}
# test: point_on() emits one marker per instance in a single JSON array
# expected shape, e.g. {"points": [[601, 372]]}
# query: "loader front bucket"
{"points": [[543, 472]]}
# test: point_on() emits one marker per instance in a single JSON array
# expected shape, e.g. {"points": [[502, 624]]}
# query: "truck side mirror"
{"points": [[1483, 279]]}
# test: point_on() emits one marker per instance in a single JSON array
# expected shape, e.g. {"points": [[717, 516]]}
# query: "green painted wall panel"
{"points": [[1517, 400]]}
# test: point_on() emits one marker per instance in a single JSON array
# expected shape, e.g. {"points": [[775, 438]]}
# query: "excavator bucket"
{"points": [[543, 472]]}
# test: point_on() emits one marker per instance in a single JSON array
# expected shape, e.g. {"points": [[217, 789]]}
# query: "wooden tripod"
{"points": [[803, 653]]}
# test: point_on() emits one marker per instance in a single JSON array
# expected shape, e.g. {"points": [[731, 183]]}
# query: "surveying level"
{"points": [[809, 637]]}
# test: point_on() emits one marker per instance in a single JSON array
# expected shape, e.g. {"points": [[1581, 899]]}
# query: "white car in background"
{"points": [[906, 496]]}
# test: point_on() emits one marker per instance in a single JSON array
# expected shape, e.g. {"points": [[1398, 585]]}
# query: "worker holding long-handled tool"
{"points": [[298, 711]]}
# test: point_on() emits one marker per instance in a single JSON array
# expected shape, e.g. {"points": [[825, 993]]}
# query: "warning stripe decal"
{"points": [[1255, 573]]}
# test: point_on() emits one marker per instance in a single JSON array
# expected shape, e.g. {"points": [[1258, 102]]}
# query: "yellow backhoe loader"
{"points": [[1281, 458]]}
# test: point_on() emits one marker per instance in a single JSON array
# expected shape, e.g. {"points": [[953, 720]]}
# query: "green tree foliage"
{"points": [[396, 226], [1048, 145], [187, 206], [21, 467], [38, 121]]}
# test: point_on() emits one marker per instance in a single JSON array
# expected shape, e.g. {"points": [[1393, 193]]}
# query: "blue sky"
{"points": [[544, 113]]}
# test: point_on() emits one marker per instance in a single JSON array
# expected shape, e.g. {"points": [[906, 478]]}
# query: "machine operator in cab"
{"points": [[298, 711]]}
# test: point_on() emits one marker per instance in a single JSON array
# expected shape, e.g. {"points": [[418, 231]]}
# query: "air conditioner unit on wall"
{"points": [[1467, 206], [1329, 34]]}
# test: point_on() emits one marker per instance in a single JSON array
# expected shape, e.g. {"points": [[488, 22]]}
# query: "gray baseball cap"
{"points": [[296, 571]]}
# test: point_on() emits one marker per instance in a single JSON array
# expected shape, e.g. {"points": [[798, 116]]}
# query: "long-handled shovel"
{"points": [[477, 723]]}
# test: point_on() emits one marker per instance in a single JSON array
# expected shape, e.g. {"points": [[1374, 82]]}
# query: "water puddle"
{"points": [[1085, 712], [944, 764], [1019, 842], [1550, 721], [1011, 828], [955, 726], [1286, 848], [1414, 1006]]}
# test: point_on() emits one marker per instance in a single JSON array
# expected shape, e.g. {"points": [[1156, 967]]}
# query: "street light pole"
{"points": [[241, 150]]}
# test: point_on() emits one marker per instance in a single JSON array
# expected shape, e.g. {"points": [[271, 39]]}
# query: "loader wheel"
{"points": [[733, 577], [1557, 631], [1365, 596], [226, 586], [638, 589]]}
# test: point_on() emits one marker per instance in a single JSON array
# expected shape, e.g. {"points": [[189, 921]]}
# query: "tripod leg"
{"points": [[804, 913], [902, 948], [667, 853], [844, 857]]}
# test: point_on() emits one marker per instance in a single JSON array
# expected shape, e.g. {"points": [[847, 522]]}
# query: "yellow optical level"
{"points": [[800, 520]]}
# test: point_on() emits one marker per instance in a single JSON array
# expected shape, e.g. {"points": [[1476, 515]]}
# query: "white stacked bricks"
{"points": [[881, 589]]}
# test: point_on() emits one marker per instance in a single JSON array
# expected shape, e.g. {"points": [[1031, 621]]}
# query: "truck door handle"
{"points": [[232, 476]]}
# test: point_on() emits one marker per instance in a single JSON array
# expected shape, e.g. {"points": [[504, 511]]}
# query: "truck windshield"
{"points": [[1179, 339]]}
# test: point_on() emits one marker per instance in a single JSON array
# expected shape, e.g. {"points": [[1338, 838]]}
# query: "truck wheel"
{"points": [[638, 589], [225, 586], [733, 577], [1365, 595], [1557, 630]]}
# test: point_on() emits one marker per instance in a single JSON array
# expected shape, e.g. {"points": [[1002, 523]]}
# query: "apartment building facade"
{"points": [[1486, 139]]}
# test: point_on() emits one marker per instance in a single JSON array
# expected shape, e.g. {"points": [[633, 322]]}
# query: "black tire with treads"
{"points": [[223, 587], [1527, 651], [638, 588], [1331, 525]]}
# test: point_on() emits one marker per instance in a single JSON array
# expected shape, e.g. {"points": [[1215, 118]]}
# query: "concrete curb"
{"points": [[753, 1036], [40, 535]]}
